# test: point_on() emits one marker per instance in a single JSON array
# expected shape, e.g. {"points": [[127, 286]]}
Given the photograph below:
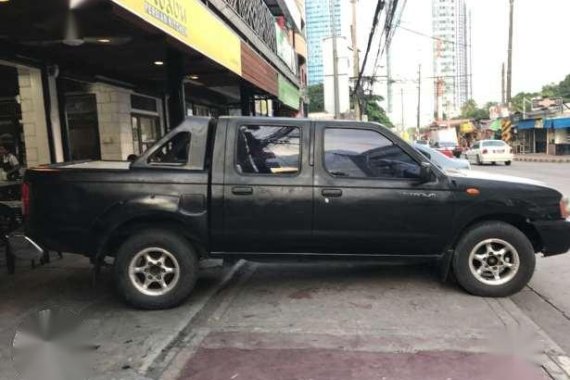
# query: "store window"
{"points": [[81, 119], [145, 121]]}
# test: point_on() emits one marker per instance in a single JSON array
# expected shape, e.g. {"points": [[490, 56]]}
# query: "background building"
{"points": [[451, 56], [318, 28]]}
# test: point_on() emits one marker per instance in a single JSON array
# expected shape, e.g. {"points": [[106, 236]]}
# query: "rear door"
{"points": [[368, 198], [268, 197]]}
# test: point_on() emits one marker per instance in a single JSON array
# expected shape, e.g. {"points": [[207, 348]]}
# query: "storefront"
{"points": [[117, 75], [546, 136]]}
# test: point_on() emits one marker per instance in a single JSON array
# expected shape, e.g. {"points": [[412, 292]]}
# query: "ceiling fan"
{"points": [[72, 35]]}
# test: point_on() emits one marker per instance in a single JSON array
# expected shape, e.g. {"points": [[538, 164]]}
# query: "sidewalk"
{"points": [[539, 157], [359, 321], [127, 341]]}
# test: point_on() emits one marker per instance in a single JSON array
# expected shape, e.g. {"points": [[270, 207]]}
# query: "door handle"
{"points": [[242, 190], [331, 193]]}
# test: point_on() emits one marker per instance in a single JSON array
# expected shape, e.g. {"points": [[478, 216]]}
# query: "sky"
{"points": [[541, 53]]}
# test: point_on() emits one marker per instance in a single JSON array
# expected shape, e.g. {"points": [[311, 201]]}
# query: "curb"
{"points": [[549, 160], [155, 356]]}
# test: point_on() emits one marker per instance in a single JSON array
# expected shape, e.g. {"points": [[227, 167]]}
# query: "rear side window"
{"points": [[360, 153], [268, 150], [174, 152]]}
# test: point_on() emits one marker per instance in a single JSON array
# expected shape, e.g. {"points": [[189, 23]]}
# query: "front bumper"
{"points": [[555, 236]]}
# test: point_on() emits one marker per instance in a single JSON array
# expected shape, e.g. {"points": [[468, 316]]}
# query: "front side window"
{"points": [[268, 150], [174, 152], [360, 153]]}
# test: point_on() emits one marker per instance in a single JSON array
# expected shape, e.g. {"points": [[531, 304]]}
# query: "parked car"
{"points": [[446, 148], [271, 189], [490, 152], [441, 160]]}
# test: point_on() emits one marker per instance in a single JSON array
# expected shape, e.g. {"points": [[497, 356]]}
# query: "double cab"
{"points": [[289, 189]]}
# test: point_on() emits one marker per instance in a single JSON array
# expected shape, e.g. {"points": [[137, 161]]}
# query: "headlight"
{"points": [[565, 208]]}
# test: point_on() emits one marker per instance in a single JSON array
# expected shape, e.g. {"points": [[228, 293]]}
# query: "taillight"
{"points": [[564, 208], [25, 199], [485, 151]]}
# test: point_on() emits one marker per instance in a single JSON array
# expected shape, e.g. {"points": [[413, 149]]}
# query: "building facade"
{"points": [[450, 56], [104, 79], [319, 27]]}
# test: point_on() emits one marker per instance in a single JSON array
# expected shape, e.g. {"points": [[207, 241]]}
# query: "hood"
{"points": [[475, 174]]}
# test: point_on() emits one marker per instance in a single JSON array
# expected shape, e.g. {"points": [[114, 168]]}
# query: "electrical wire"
{"points": [[379, 7]]}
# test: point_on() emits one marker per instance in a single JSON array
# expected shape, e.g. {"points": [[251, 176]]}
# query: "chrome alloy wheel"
{"points": [[494, 262], [154, 271]]}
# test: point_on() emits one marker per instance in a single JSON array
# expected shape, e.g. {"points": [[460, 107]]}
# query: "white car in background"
{"points": [[490, 152]]}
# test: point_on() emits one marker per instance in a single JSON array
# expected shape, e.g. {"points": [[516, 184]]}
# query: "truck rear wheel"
{"points": [[155, 269], [494, 259]]}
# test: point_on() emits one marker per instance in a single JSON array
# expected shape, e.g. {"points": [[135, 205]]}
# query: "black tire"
{"points": [[504, 232], [479, 160], [178, 247], [508, 163]]}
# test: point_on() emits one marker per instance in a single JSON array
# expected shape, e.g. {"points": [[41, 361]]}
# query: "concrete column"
{"points": [[33, 117], [175, 88], [55, 119]]}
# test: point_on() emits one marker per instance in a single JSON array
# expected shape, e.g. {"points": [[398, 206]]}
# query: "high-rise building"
{"points": [[318, 27], [451, 59]]}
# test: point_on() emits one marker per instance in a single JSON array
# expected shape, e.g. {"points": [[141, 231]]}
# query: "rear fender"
{"points": [[147, 210]]}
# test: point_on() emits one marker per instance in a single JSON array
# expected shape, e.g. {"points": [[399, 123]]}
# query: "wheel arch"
{"points": [[517, 221], [120, 233]]}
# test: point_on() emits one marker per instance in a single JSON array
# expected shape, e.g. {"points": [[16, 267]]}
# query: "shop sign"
{"points": [[288, 93], [192, 23], [284, 49]]}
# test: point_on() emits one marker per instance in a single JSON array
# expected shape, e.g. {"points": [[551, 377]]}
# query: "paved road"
{"points": [[547, 300]]}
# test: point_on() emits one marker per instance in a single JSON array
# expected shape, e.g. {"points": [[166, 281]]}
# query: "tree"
{"points": [[375, 112], [470, 110], [316, 98]]}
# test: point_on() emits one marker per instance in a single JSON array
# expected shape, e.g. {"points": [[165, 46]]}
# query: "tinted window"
{"points": [[268, 150], [475, 146], [498, 143], [359, 153], [173, 152]]}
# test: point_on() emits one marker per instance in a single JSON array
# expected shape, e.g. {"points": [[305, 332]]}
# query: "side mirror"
{"points": [[425, 172]]}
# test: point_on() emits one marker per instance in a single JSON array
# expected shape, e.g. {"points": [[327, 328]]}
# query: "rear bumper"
{"points": [[485, 158], [555, 236]]}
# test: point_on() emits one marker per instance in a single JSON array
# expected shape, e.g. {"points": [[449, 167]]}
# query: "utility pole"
{"points": [[419, 96], [402, 101], [335, 60], [356, 61], [503, 85], [510, 53], [389, 93]]}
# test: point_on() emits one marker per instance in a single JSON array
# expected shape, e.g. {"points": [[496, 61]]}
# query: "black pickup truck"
{"points": [[274, 189]]}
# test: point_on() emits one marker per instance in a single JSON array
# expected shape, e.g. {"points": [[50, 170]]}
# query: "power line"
{"points": [[379, 7], [432, 37]]}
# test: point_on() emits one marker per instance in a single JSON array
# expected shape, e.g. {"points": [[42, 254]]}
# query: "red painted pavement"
{"points": [[331, 364]]}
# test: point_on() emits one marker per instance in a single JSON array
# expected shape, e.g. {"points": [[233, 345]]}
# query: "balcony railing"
{"points": [[256, 14]]}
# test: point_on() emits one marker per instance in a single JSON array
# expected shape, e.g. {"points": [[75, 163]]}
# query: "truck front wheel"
{"points": [[155, 269], [494, 259]]}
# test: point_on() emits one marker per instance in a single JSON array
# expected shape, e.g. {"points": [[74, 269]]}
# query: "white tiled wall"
{"points": [[114, 114], [33, 117]]}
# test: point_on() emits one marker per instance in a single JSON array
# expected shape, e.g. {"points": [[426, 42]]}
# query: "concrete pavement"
{"points": [[358, 321]]}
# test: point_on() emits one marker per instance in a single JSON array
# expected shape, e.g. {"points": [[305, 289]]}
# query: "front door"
{"points": [[368, 197], [268, 195]]}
